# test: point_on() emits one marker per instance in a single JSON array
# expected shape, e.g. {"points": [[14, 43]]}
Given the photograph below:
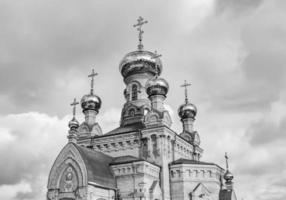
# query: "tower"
{"points": [[227, 192], [187, 113], [90, 104]]}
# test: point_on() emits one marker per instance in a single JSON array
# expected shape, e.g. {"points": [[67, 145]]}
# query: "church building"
{"points": [[143, 158]]}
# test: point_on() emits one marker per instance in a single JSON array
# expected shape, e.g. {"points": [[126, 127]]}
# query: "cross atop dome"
{"points": [[226, 160], [140, 23], [228, 175], [185, 85], [73, 124], [156, 56], [92, 75], [73, 104]]}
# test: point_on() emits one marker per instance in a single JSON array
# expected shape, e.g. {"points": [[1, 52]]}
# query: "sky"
{"points": [[232, 51]]}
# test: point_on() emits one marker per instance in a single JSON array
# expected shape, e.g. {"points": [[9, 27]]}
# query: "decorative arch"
{"points": [[68, 176]]}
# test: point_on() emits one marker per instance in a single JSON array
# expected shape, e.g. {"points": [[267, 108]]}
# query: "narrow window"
{"points": [[134, 92]]}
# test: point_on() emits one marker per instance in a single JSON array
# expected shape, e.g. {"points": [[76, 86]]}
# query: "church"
{"points": [[143, 158]]}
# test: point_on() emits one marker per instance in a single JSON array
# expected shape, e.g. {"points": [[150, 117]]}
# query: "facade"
{"points": [[143, 158]]}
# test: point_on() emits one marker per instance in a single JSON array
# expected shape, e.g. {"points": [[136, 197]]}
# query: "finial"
{"points": [[74, 103], [185, 85], [73, 124], [226, 160], [140, 22], [228, 175], [92, 75], [156, 56]]}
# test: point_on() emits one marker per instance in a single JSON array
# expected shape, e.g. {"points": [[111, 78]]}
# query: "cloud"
{"points": [[265, 132], [30, 144], [236, 6]]}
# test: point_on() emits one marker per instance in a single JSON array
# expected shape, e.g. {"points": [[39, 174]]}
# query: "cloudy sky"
{"points": [[232, 51]]}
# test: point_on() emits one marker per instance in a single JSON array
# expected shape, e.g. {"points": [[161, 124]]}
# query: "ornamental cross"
{"points": [[92, 75], [140, 23], [156, 56], [226, 160], [185, 85], [74, 103]]}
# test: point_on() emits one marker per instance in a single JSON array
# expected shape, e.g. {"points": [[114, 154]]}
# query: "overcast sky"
{"points": [[232, 51]]}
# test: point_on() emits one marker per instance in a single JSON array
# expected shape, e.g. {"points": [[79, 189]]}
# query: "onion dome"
{"points": [[157, 86], [73, 124], [90, 102], [140, 61], [187, 110], [228, 176]]}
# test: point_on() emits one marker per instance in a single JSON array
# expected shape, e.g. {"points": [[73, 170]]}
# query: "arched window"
{"points": [[134, 92]]}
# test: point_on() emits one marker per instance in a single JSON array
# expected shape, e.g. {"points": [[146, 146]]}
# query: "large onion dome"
{"points": [[73, 124], [187, 110], [90, 102], [157, 86], [140, 62]]}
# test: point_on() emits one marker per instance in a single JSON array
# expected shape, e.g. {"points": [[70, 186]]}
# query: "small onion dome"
{"points": [[157, 86], [187, 110], [228, 176], [73, 124], [90, 102], [140, 62]]}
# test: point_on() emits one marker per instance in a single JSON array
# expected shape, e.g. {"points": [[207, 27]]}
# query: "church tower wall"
{"points": [[118, 144], [186, 178], [137, 180]]}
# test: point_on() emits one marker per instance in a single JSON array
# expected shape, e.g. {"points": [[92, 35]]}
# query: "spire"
{"points": [[74, 103], [156, 56], [226, 160], [140, 22], [91, 103], [92, 75], [185, 85], [228, 175], [73, 124]]}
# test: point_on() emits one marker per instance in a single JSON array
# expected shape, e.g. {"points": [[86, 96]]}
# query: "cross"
{"points": [[92, 75], [226, 160], [156, 56], [140, 22], [185, 85], [74, 103]]}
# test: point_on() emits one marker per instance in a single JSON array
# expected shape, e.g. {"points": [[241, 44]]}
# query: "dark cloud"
{"points": [[266, 132], [236, 6], [25, 154], [42, 41], [258, 78]]}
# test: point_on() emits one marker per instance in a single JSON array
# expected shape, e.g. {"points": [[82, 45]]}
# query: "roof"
{"points": [[227, 195], [97, 166], [125, 159], [192, 162], [125, 129], [129, 159]]}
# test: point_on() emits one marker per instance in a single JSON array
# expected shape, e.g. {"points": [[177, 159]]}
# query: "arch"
{"points": [[131, 112], [68, 157]]}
